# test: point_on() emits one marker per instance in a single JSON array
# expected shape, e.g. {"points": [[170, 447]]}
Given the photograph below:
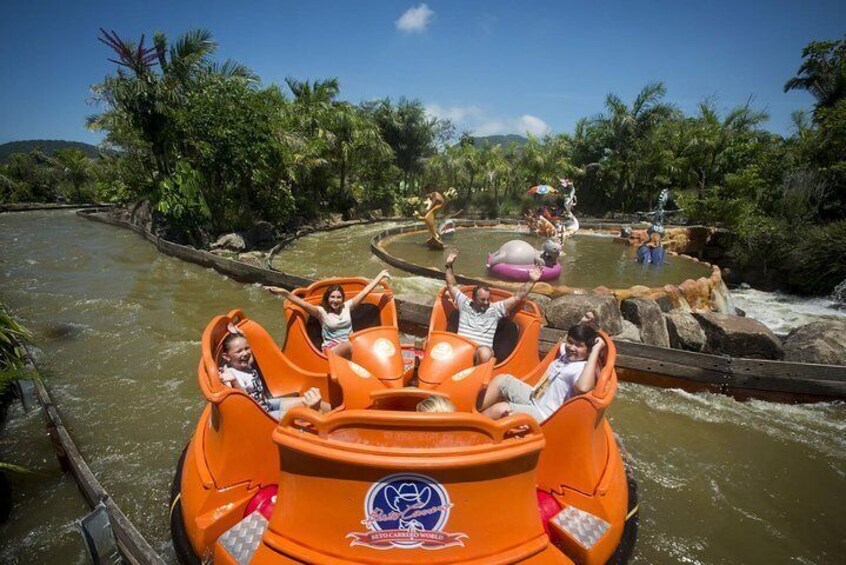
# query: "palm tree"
{"points": [[147, 98], [626, 129], [711, 139], [822, 73], [76, 168]]}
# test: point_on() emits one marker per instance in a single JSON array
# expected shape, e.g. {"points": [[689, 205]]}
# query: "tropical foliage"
{"points": [[215, 150], [12, 355]]}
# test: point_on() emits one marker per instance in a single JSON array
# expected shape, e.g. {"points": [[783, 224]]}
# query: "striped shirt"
{"points": [[478, 326]]}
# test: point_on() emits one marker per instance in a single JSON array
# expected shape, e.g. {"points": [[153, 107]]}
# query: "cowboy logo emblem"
{"points": [[406, 511]]}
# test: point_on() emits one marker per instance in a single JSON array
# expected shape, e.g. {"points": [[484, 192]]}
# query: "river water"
{"points": [[117, 328]]}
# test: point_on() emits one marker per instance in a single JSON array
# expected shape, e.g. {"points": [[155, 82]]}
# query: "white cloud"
{"points": [[453, 113], [415, 20], [522, 125], [475, 120], [533, 125]]}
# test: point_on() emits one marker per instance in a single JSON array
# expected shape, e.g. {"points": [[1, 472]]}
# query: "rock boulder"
{"points": [[818, 342], [253, 258], [230, 242], [630, 332], [739, 337], [566, 311], [684, 331], [541, 300], [646, 315], [262, 234]]}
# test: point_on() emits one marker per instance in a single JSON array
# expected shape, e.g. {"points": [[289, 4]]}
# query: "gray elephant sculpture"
{"points": [[519, 252]]}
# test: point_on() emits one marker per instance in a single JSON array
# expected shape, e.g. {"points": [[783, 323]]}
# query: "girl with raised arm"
{"points": [[334, 313]]}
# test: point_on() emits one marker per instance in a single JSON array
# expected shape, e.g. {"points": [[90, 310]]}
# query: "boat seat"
{"points": [[505, 339], [365, 315], [578, 428]]}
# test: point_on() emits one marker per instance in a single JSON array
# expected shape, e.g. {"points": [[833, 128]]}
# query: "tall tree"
{"points": [[412, 135], [822, 73], [626, 130]]}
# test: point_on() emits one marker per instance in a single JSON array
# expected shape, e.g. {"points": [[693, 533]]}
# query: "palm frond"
{"points": [[192, 47], [235, 70]]}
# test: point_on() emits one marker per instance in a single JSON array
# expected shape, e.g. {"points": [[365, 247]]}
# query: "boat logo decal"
{"points": [[442, 351], [406, 511], [384, 348]]}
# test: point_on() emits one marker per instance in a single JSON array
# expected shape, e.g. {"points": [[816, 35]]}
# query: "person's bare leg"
{"points": [[498, 410], [483, 355], [492, 394], [343, 349]]}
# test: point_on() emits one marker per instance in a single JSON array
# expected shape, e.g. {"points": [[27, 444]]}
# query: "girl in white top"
{"points": [[334, 313]]}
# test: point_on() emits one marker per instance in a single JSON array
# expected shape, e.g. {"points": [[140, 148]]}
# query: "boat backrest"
{"points": [[464, 387], [379, 351], [446, 354], [516, 337], [228, 453], [469, 480], [303, 333]]}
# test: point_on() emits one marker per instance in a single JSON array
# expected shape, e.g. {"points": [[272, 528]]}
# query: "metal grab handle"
{"points": [[517, 423], [313, 418]]}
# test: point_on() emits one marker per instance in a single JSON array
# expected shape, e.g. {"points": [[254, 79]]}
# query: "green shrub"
{"points": [[817, 261], [12, 355]]}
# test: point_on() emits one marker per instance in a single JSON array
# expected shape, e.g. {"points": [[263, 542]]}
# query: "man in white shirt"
{"points": [[478, 318]]}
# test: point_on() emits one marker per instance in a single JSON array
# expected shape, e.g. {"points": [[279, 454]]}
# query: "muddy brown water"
{"points": [[587, 261], [117, 329]]}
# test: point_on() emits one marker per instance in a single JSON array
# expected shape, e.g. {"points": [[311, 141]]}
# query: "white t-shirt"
{"points": [[563, 376], [251, 383], [478, 326], [335, 327]]}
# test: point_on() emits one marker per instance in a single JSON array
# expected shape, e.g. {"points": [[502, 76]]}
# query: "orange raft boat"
{"points": [[374, 481]]}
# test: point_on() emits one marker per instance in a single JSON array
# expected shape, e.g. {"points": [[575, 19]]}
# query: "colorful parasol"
{"points": [[542, 189]]}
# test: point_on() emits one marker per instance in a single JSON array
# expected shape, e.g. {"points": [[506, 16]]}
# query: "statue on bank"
{"points": [[434, 202], [652, 250]]}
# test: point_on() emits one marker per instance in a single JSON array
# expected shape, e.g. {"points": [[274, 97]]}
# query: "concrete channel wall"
{"points": [[132, 545]]}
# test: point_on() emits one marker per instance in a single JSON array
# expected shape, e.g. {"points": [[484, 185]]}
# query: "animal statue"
{"points": [[568, 228], [447, 229], [659, 214], [519, 252], [531, 221], [545, 228], [434, 202], [571, 199]]}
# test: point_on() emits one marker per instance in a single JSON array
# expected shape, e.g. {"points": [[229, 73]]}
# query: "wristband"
{"points": [[447, 265]]}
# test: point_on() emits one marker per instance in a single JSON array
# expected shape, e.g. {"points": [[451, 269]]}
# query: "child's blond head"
{"points": [[435, 404]]}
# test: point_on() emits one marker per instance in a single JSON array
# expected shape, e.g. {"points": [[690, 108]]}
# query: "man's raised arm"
{"points": [[451, 283], [510, 303]]}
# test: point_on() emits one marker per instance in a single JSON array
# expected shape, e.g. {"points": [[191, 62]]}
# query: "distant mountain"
{"points": [[502, 140], [48, 146]]}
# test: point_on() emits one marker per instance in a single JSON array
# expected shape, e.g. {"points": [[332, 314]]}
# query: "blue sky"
{"points": [[492, 66]]}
